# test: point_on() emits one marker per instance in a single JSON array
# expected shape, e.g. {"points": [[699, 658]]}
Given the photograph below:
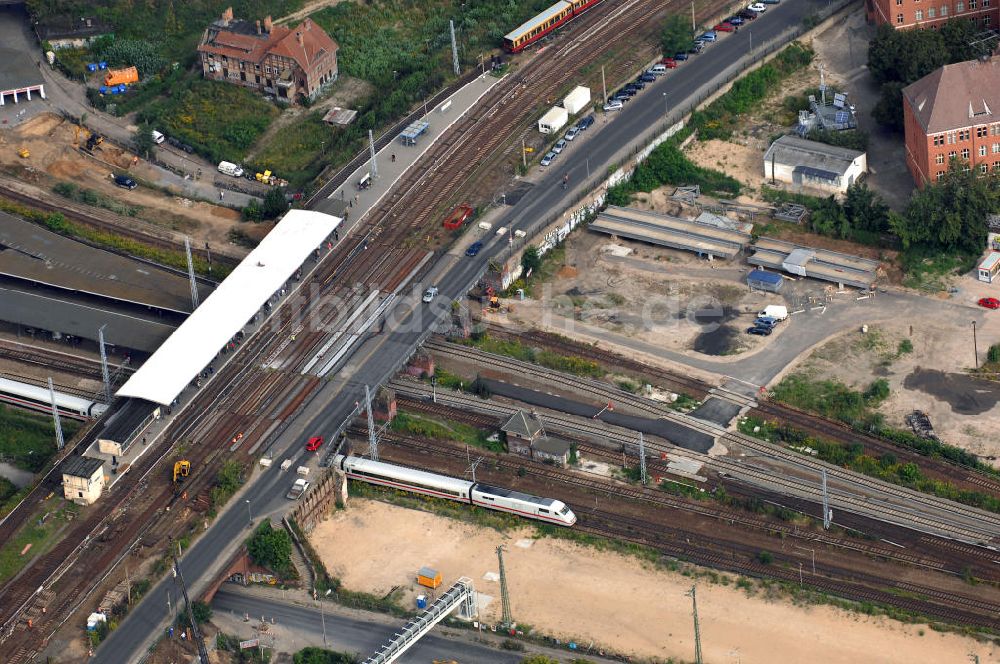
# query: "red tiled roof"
{"points": [[957, 96], [315, 44], [281, 41]]}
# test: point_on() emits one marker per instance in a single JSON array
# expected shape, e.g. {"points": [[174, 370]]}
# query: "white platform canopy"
{"points": [[194, 344]]}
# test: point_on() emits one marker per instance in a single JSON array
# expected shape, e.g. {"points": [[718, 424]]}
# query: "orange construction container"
{"points": [[458, 217], [127, 76], [430, 578]]}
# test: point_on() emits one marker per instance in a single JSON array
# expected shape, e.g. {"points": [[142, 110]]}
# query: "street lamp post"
{"points": [[975, 346], [249, 513], [665, 107]]}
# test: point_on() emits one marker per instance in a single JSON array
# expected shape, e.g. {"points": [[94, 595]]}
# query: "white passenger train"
{"points": [[453, 488], [36, 398]]}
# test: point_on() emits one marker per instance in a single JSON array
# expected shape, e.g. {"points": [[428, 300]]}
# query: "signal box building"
{"points": [[83, 479], [931, 14], [953, 112], [284, 62]]}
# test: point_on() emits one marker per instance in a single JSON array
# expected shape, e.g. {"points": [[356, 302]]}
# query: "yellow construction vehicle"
{"points": [[23, 153], [182, 469]]}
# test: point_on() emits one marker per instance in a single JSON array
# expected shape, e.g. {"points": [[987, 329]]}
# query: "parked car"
{"points": [[572, 133], [724, 27], [765, 321], [474, 249], [125, 182], [709, 36], [614, 105], [735, 20], [158, 137], [648, 78], [681, 57], [770, 2], [623, 97], [585, 123], [759, 331], [559, 146], [181, 146], [314, 443], [627, 91], [638, 83], [430, 293], [548, 158], [748, 15], [989, 303], [697, 48], [758, 7]]}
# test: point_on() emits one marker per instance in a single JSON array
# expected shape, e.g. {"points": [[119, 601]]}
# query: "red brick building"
{"points": [[953, 112], [284, 62], [902, 14]]}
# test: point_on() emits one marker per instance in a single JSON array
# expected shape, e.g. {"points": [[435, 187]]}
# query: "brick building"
{"points": [[284, 62], [902, 14], [953, 112]]}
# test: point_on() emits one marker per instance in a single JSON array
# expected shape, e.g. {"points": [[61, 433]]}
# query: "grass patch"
{"points": [[929, 271], [298, 151], [28, 440], [499, 521], [219, 120], [853, 457], [227, 482], [94, 199], [432, 427], [831, 398], [41, 536], [571, 364], [667, 164]]}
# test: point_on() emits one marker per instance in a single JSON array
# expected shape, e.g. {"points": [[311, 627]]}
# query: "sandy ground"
{"points": [[51, 140], [965, 416], [307, 10], [572, 591]]}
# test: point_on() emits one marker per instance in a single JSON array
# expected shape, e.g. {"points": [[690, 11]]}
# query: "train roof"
{"points": [[516, 495], [41, 394], [409, 474], [552, 11]]}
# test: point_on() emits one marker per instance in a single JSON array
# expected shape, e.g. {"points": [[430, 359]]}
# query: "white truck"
{"points": [[230, 169], [775, 311], [297, 489]]}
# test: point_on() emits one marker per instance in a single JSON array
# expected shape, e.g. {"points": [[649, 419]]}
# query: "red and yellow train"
{"points": [[541, 25]]}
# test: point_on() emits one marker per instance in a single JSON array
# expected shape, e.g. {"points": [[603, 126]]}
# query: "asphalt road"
{"points": [[349, 631], [381, 355]]}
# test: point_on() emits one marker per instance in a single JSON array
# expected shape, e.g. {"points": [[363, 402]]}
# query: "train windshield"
{"points": [[564, 511]]}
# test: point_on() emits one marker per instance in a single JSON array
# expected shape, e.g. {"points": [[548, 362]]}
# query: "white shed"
{"points": [[554, 120], [577, 100], [810, 164]]}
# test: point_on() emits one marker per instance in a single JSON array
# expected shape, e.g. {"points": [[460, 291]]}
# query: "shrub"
{"points": [[271, 548], [993, 354], [906, 346], [765, 557]]}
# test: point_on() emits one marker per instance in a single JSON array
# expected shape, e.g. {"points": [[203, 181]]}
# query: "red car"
{"points": [[669, 63], [725, 27], [314, 443], [990, 303]]}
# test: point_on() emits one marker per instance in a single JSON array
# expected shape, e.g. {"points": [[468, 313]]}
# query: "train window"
{"points": [[564, 511], [543, 510], [487, 497]]}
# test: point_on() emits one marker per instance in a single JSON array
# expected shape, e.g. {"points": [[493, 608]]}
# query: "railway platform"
{"points": [[395, 159]]}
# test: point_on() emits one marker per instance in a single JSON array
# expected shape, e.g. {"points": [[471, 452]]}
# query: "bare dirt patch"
{"points": [[55, 158], [565, 589]]}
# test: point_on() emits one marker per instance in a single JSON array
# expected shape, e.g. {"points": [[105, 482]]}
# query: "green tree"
{"points": [[202, 612], [888, 111], [275, 203], [144, 140], [253, 211], [905, 55], [676, 36], [539, 659], [958, 36], [230, 476], [313, 655], [530, 260], [271, 548], [829, 218], [865, 209]]}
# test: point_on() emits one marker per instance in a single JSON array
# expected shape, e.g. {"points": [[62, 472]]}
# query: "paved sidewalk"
{"points": [[439, 117]]}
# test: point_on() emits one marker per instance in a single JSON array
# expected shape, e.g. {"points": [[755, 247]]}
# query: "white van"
{"points": [[658, 69], [158, 137], [775, 311], [230, 169]]}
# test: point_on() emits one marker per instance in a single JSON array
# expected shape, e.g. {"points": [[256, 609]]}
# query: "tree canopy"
{"points": [[677, 36], [271, 548], [314, 655]]}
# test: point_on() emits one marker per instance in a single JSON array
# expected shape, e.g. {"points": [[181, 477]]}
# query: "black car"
{"points": [[748, 15], [585, 123], [181, 146], [638, 84], [647, 78], [125, 182], [759, 330], [681, 56], [626, 91]]}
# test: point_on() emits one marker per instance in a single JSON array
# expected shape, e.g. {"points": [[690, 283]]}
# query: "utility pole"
{"points": [[474, 465], [975, 344], [826, 504], [195, 632], [604, 85], [524, 155], [642, 461], [60, 441], [194, 282], [694, 26], [697, 630], [454, 48], [373, 169], [372, 438], [507, 619], [104, 364]]}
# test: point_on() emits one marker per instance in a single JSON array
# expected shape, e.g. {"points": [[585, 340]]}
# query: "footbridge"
{"points": [[461, 596]]}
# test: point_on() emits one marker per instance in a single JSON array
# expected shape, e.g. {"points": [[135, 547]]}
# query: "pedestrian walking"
{"points": [[394, 158], [222, 194]]}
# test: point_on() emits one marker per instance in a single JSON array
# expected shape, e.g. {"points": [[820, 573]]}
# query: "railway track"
{"points": [[47, 357], [730, 554]]}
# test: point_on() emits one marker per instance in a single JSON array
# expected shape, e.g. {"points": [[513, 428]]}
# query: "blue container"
{"points": [[122, 87], [91, 67], [103, 89], [421, 601], [102, 65], [767, 281], [113, 90]]}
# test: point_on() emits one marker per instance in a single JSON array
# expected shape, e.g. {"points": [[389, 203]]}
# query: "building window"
{"points": [[939, 159], [79, 493], [899, 3], [996, 148], [959, 6], [944, 10], [982, 150], [996, 165], [980, 132], [940, 175], [972, 4], [983, 168], [939, 139], [986, 3], [919, 15], [952, 154], [964, 134], [966, 169], [930, 12], [986, 21], [899, 18], [965, 153]]}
